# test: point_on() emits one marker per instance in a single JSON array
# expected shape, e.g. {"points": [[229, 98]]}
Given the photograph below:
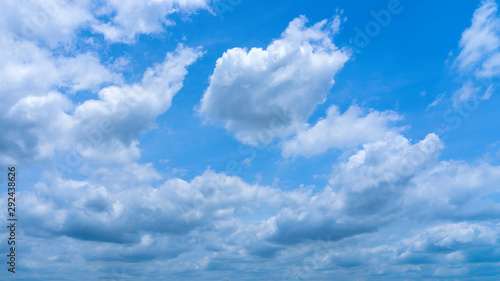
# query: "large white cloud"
{"points": [[259, 94]]}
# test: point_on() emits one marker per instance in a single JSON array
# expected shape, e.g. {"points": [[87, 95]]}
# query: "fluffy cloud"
{"points": [[481, 41], [48, 21], [390, 160], [130, 18], [371, 185], [175, 207], [41, 124], [55, 22], [28, 69], [261, 94], [452, 243], [121, 112], [455, 190], [349, 129], [479, 58], [466, 92]]}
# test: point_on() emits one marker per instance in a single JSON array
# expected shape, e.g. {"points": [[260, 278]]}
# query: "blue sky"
{"points": [[252, 140]]}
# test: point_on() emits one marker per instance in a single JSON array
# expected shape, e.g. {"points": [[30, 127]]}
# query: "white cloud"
{"points": [[131, 18], [55, 22], [390, 160], [28, 69], [349, 129], [41, 124], [453, 243], [130, 109], [460, 233], [85, 71], [466, 92], [438, 100], [481, 41], [479, 57], [490, 67], [471, 91], [36, 126], [49, 21], [262, 94], [454, 190]]}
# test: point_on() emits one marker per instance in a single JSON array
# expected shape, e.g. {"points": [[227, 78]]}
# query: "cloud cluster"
{"points": [[127, 19], [204, 223], [260, 94], [55, 22], [40, 124], [42, 72]]}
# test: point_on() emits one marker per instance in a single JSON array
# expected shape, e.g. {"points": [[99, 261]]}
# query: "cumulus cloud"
{"points": [[452, 243], [131, 18], [28, 69], [55, 22], [260, 94], [51, 22], [40, 124], [455, 190], [349, 129], [375, 178], [129, 109], [205, 222], [177, 206]]}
